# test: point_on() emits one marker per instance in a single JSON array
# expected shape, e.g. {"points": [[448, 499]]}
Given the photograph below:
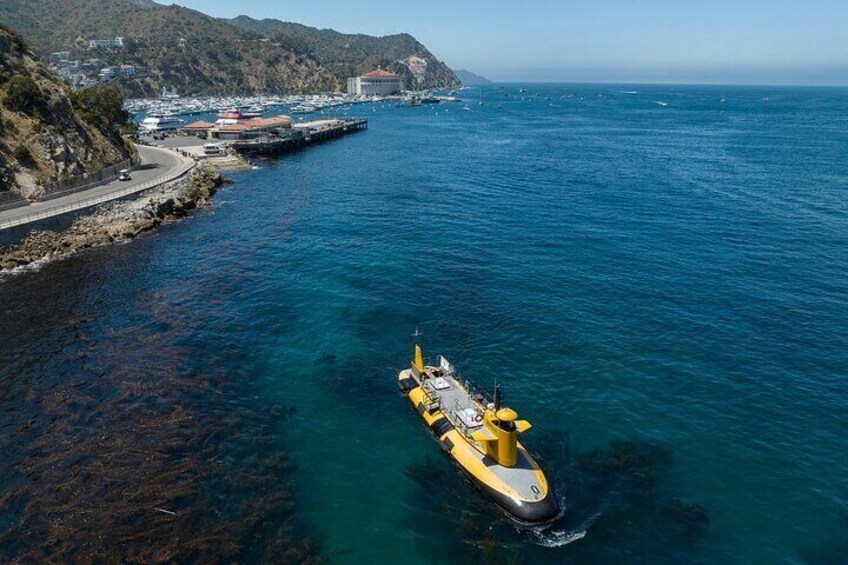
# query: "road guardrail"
{"points": [[58, 210]]}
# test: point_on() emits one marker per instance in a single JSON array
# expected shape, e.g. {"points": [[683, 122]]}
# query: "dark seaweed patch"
{"points": [[143, 457]]}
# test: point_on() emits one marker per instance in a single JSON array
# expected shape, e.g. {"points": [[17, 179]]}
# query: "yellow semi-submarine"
{"points": [[481, 436]]}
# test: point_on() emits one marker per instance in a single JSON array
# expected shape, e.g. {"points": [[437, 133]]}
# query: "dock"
{"points": [[300, 135]]}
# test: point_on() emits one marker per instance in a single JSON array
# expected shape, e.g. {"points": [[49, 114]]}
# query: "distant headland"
{"points": [[471, 79]]}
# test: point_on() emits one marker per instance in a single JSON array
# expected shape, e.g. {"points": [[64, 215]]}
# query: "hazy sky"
{"points": [[718, 41]]}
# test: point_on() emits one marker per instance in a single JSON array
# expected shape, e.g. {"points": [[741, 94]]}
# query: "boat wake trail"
{"points": [[559, 538]]}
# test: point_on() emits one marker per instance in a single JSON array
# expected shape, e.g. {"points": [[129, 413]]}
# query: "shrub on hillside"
{"points": [[101, 106], [24, 95], [23, 154], [5, 176]]}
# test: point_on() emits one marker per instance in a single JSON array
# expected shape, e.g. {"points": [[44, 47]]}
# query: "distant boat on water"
{"points": [[411, 103], [660, 103]]}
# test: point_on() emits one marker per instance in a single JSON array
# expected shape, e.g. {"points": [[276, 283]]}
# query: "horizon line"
{"points": [[650, 83]]}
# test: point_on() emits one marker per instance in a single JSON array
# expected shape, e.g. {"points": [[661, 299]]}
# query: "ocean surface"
{"points": [[656, 275]]}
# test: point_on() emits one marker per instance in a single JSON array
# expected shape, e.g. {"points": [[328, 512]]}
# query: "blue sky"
{"points": [[707, 41]]}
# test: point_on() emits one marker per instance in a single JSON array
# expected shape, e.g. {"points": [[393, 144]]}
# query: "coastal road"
{"points": [[164, 166]]}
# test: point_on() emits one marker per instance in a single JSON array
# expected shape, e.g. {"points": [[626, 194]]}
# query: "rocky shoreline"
{"points": [[117, 221]]}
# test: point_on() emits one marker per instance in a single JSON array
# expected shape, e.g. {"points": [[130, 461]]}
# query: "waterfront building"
{"points": [[375, 83], [199, 128], [256, 127]]}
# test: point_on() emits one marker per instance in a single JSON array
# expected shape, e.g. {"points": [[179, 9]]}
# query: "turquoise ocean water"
{"points": [[656, 275]]}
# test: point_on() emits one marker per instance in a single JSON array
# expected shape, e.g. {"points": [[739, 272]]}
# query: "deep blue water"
{"points": [[660, 289]]}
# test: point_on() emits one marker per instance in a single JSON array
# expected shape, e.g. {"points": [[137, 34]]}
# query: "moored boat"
{"points": [[481, 436], [155, 123]]}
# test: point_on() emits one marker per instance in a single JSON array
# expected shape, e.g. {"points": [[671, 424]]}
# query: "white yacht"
{"points": [[154, 123], [303, 109]]}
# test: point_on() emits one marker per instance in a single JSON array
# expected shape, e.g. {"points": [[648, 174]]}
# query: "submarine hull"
{"points": [[534, 513], [521, 490]]}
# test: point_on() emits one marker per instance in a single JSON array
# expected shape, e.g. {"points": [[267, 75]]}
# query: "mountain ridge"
{"points": [[353, 54], [194, 53]]}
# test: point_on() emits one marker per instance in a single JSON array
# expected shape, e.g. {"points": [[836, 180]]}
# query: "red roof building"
{"points": [[252, 128], [198, 125], [380, 73]]}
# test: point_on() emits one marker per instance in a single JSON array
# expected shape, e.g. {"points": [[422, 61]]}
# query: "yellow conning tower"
{"points": [[419, 358], [499, 435]]}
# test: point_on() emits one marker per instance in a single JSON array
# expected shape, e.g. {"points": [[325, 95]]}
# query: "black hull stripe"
{"points": [[441, 426]]}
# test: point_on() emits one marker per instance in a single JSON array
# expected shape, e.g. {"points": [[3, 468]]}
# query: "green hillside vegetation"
{"points": [[214, 58], [347, 55], [191, 52], [45, 136]]}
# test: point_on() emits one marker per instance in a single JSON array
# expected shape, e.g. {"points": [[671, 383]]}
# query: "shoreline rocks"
{"points": [[117, 221]]}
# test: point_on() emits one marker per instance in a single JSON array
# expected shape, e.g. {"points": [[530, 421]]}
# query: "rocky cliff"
{"points": [[43, 137]]}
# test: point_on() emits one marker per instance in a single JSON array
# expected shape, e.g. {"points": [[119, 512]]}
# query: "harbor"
{"points": [[334, 104]]}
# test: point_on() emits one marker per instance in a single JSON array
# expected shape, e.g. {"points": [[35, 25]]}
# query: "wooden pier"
{"points": [[300, 135]]}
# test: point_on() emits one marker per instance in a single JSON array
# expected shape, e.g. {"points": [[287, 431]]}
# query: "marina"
{"points": [[173, 106]]}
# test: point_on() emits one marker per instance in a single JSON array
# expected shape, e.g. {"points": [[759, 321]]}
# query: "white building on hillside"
{"points": [[375, 83], [106, 43]]}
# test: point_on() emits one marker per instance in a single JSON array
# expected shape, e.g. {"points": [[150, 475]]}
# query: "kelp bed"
{"points": [[143, 457]]}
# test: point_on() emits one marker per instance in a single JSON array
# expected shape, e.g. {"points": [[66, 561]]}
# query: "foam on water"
{"points": [[559, 538]]}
